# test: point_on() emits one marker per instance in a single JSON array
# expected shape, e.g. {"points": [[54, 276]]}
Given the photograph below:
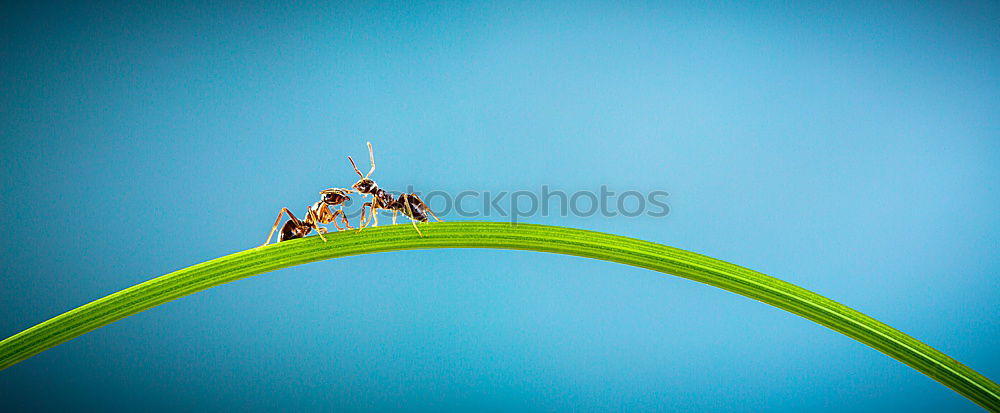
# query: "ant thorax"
{"points": [[383, 198], [319, 207]]}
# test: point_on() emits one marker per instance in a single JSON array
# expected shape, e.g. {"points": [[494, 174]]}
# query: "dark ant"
{"points": [[318, 213], [409, 204]]}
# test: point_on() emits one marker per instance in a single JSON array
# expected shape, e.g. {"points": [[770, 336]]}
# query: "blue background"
{"points": [[850, 148]]}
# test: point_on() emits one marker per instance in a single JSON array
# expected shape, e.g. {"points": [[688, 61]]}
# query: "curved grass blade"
{"points": [[559, 240]]}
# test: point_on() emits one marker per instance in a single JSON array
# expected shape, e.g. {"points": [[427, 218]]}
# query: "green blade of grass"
{"points": [[749, 283]]}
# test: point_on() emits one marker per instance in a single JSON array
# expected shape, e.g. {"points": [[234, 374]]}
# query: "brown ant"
{"points": [[409, 204], [318, 213]]}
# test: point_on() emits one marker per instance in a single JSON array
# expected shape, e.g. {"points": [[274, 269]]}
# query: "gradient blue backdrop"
{"points": [[850, 148]]}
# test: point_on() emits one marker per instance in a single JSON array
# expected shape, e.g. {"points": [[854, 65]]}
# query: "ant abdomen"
{"points": [[292, 231], [412, 207]]}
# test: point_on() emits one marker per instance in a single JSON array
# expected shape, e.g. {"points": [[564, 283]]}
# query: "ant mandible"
{"points": [[318, 213], [408, 204]]}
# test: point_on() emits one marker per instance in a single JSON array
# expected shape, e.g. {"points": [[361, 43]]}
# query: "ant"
{"points": [[318, 213], [409, 204]]}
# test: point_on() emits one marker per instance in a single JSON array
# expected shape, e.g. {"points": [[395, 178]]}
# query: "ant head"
{"points": [[365, 186], [335, 196]]}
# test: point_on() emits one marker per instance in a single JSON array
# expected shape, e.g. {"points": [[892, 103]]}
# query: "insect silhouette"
{"points": [[318, 213], [408, 204]]}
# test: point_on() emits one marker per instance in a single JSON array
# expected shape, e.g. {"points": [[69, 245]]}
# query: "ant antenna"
{"points": [[355, 166], [371, 156]]}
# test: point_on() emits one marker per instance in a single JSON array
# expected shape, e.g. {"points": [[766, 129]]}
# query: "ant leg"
{"points": [[364, 215], [323, 215], [371, 156], [406, 203], [421, 202], [343, 217], [333, 220], [394, 212], [312, 219], [278, 221], [374, 210], [373, 206]]}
